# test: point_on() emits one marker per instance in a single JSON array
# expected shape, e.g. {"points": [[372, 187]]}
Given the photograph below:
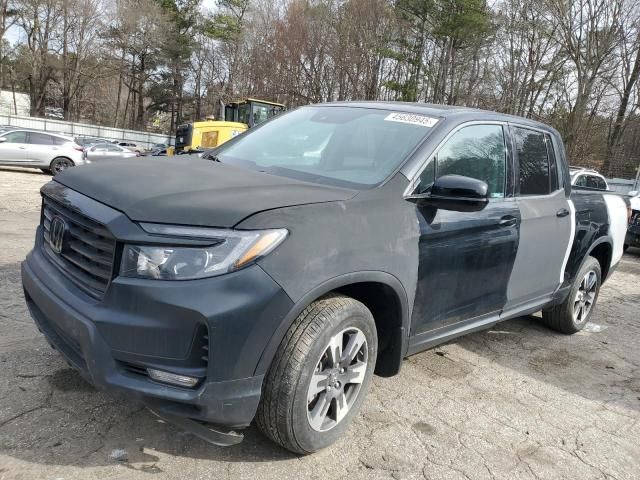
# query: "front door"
{"points": [[548, 219], [465, 258], [14, 149]]}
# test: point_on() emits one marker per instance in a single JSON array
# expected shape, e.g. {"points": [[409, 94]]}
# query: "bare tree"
{"points": [[588, 32]]}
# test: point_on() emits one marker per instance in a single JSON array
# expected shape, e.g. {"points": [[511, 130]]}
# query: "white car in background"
{"points": [[50, 152], [132, 146], [108, 151], [632, 238], [585, 177]]}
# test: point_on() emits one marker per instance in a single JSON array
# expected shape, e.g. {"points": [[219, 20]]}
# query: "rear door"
{"points": [[113, 151], [547, 218], [97, 152], [42, 148]]}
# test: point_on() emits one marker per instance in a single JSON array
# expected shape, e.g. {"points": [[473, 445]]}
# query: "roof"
{"points": [[218, 124], [250, 99], [443, 111], [35, 130], [413, 107]]}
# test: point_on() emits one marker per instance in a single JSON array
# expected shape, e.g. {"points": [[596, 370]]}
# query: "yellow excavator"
{"points": [[238, 116]]}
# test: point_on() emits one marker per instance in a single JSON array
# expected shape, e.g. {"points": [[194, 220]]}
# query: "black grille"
{"points": [[88, 249]]}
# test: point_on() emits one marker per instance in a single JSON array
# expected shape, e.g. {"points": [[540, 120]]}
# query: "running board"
{"points": [[201, 430]]}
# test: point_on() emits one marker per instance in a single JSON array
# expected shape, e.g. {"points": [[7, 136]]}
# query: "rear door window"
{"points": [[533, 161], [40, 139]]}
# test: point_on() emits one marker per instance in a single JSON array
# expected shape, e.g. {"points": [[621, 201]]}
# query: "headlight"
{"points": [[230, 250]]}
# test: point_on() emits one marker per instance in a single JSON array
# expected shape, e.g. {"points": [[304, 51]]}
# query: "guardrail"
{"points": [[145, 139]]}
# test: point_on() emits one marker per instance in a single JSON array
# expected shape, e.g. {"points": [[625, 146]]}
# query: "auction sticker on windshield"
{"points": [[412, 118]]}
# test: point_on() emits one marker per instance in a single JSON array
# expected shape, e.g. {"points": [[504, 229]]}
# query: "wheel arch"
{"points": [[385, 297], [601, 250]]}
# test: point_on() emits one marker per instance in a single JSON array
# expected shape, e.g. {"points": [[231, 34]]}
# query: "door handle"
{"points": [[508, 221], [563, 212]]}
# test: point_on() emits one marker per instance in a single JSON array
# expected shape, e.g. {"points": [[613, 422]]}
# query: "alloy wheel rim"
{"points": [[337, 379], [60, 166], [585, 297]]}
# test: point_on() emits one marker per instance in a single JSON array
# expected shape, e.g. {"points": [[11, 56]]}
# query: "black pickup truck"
{"points": [[272, 278]]}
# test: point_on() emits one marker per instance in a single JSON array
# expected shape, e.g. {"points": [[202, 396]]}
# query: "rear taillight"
{"points": [[78, 147]]}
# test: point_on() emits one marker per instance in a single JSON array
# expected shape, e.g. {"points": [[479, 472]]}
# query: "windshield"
{"points": [[344, 146], [262, 112]]}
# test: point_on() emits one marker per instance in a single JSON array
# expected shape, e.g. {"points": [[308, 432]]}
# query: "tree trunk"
{"points": [[66, 87], [618, 126]]}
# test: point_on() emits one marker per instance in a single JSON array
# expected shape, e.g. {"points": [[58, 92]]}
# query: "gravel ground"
{"points": [[515, 402]]}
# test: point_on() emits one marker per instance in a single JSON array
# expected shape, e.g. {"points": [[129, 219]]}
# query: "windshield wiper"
{"points": [[212, 157]]}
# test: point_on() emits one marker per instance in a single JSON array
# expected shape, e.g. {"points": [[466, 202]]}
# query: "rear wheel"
{"points": [[60, 164], [320, 375], [572, 315]]}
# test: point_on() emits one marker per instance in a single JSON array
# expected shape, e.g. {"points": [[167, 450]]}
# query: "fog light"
{"points": [[172, 378]]}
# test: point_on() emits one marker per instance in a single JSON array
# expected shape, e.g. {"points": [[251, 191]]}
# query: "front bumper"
{"points": [[147, 323]]}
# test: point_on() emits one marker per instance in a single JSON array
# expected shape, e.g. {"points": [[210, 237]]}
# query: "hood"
{"points": [[187, 191]]}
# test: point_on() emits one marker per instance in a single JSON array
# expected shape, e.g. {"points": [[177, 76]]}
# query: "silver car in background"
{"points": [[52, 153], [108, 151]]}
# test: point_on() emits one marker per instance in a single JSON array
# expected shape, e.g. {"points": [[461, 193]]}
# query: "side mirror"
{"points": [[454, 192]]}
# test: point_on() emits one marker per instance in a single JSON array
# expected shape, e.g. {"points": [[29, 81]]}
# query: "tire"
{"points": [[60, 164], [567, 317], [290, 412]]}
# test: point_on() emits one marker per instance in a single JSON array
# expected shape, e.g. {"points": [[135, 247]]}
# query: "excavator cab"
{"points": [[251, 111], [238, 117]]}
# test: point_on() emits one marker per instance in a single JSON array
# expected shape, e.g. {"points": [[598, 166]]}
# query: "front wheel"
{"points": [[60, 164], [572, 315], [320, 375]]}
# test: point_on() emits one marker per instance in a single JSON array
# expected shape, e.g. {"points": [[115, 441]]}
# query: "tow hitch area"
{"points": [[206, 432]]}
